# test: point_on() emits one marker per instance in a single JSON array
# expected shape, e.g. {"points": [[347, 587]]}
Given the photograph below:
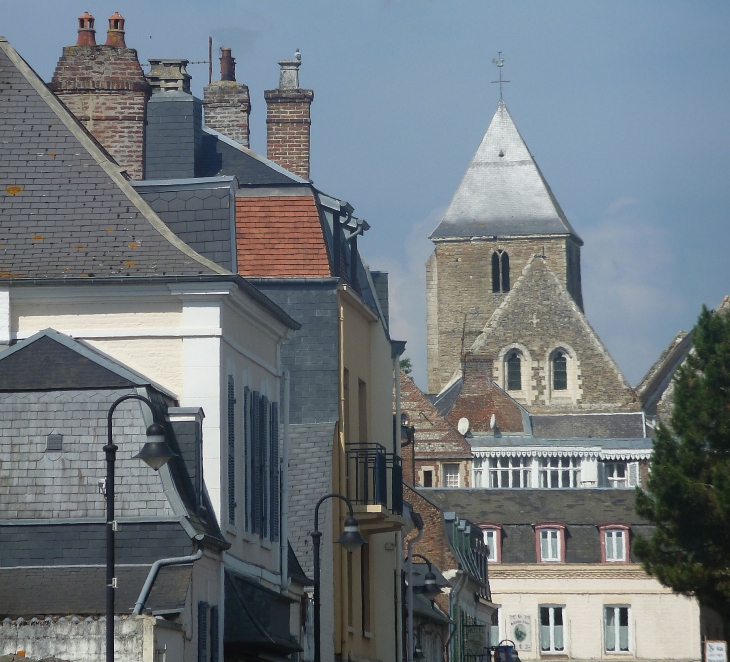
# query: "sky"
{"points": [[624, 106]]}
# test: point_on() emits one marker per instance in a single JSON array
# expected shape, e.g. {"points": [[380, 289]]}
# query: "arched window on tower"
{"points": [[560, 372], [500, 271], [514, 372]]}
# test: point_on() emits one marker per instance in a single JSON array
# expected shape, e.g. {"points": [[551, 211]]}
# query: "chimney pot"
{"points": [[289, 72], [87, 34], [228, 65], [169, 75], [115, 34]]}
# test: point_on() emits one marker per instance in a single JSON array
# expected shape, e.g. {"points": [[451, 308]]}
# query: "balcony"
{"points": [[374, 482]]}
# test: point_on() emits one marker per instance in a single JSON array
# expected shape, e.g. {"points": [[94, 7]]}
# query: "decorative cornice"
{"points": [[567, 571]]}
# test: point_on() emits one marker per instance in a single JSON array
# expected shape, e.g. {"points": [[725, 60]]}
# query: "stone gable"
{"points": [[537, 320]]}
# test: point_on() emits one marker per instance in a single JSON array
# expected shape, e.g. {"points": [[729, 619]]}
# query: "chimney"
{"points": [[288, 121], [227, 104], [173, 148], [105, 88]]}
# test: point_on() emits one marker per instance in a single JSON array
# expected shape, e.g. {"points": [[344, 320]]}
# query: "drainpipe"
{"points": [[160, 563], [397, 426], [284, 537], [409, 591]]}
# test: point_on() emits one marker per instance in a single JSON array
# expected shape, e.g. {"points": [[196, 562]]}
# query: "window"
{"points": [[551, 629], [616, 474], [54, 442], [346, 403], [451, 475], [494, 628], [510, 472], [556, 472], [560, 372], [514, 372], [500, 271], [614, 543], [550, 542], [616, 629], [492, 539], [428, 478]]}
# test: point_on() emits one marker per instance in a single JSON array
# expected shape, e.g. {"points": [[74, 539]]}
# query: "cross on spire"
{"points": [[499, 63]]}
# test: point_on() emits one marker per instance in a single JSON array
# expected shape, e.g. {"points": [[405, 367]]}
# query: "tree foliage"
{"points": [[688, 491], [405, 366]]}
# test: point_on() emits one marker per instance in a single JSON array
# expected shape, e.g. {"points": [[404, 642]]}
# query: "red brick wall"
{"points": [[105, 88], [287, 128], [227, 106]]}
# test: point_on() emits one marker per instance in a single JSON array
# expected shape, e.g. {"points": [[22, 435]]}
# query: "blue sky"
{"points": [[624, 106]]}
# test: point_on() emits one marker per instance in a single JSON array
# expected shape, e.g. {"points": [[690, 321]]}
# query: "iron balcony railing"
{"points": [[374, 476]]}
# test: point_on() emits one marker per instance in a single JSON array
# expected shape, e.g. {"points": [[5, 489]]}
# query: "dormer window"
{"points": [[614, 543], [514, 372], [550, 542], [493, 541], [500, 271]]}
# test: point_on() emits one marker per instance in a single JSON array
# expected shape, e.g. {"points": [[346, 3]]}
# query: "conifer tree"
{"points": [[688, 491]]}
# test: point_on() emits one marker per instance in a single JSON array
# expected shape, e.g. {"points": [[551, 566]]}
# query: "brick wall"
{"points": [[105, 88], [287, 128], [227, 105], [459, 283]]}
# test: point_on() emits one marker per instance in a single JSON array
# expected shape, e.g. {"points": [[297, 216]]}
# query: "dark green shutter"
{"points": [[247, 458], [256, 434], [264, 431], [214, 634], [202, 631], [275, 525], [231, 451]]}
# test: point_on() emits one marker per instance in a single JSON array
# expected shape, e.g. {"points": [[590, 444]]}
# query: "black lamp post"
{"points": [[430, 586], [350, 540], [155, 453]]}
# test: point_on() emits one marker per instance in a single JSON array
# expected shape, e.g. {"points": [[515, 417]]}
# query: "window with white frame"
{"points": [[616, 629], [451, 475], [615, 542], [556, 472], [476, 472], [510, 472], [552, 639], [550, 544], [492, 541], [616, 474]]}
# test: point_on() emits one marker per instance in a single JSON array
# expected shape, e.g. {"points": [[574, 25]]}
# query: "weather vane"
{"points": [[499, 63]]}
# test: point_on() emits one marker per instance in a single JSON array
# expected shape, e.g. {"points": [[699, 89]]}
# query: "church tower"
{"points": [[502, 214]]}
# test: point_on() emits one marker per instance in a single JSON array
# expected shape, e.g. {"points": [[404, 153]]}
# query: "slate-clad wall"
{"points": [[311, 354], [174, 136], [36, 483], [85, 544], [200, 216]]}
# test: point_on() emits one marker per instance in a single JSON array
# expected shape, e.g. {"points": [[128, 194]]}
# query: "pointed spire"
{"points": [[503, 191]]}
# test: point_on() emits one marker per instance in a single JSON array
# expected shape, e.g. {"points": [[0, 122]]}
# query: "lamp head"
{"points": [[351, 539], [430, 586], [418, 652], [156, 453]]}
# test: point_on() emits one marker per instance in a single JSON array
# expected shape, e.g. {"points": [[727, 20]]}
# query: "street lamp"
{"points": [[350, 539], [155, 453], [430, 586]]}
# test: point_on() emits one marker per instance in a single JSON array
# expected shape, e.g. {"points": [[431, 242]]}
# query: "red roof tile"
{"points": [[280, 236]]}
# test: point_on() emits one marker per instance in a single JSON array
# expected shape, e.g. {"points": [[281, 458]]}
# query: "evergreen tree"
{"points": [[688, 491], [405, 366]]}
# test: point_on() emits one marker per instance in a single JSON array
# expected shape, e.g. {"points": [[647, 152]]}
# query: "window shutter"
{"points": [[202, 631], [264, 448], [247, 458], [231, 451], [256, 434], [275, 471], [634, 478], [214, 634]]}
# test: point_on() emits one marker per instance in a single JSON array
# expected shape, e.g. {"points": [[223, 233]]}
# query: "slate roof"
{"points": [[618, 425], [503, 192], [280, 236], [79, 590], [531, 506], [66, 210]]}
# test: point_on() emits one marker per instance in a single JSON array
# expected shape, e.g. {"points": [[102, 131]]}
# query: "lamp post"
{"points": [[155, 453], [350, 540]]}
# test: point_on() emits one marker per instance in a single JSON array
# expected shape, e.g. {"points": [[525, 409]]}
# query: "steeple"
{"points": [[503, 192]]}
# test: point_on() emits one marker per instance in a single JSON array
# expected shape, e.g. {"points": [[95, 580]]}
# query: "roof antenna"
{"points": [[499, 63]]}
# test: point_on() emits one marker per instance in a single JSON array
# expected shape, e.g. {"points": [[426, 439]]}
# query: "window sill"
{"points": [[266, 543], [557, 655], [230, 528], [351, 629], [367, 635]]}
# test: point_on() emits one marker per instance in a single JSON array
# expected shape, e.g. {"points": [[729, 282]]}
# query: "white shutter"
{"points": [[634, 477]]}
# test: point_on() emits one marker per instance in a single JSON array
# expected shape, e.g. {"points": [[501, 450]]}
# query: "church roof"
{"points": [[503, 192]]}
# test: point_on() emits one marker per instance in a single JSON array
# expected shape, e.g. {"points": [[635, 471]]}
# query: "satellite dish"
{"points": [[463, 425], [493, 422]]}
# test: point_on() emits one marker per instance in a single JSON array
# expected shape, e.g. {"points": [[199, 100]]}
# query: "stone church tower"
{"points": [[504, 287]]}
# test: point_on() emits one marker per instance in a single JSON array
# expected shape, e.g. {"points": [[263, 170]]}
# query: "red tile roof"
{"points": [[280, 236]]}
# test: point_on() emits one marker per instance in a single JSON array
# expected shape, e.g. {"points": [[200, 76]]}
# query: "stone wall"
{"points": [[460, 300]]}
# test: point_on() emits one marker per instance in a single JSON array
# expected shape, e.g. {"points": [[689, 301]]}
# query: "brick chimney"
{"points": [[105, 88], [226, 103], [173, 148], [288, 121]]}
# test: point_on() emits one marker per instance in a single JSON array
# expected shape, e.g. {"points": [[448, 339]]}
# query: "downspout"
{"points": [[160, 563], [397, 426], [409, 591], [339, 567], [284, 537]]}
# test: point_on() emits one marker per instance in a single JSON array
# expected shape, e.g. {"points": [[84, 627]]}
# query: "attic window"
{"points": [[54, 442]]}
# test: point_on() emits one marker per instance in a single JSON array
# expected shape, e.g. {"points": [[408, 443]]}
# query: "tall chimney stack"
{"points": [[288, 120], [105, 88], [226, 103]]}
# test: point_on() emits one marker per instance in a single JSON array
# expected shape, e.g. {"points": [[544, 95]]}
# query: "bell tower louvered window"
{"points": [[500, 271]]}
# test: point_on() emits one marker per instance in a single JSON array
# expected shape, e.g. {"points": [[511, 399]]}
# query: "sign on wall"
{"points": [[520, 631], [715, 651]]}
